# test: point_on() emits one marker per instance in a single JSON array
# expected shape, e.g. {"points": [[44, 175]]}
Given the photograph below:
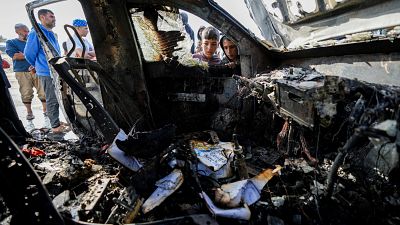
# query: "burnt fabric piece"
{"points": [[148, 143]]}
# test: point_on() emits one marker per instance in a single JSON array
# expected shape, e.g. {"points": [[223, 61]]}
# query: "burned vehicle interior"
{"points": [[307, 133]]}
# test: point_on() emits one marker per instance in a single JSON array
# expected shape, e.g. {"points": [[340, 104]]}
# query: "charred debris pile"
{"points": [[312, 149]]}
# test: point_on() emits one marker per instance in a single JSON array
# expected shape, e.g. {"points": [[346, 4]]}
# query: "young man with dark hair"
{"points": [[27, 80], [35, 55], [209, 44]]}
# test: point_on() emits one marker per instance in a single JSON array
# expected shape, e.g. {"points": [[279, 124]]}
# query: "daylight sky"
{"points": [[14, 12]]}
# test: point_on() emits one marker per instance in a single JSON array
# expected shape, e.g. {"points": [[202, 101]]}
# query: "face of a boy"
{"points": [[209, 47]]}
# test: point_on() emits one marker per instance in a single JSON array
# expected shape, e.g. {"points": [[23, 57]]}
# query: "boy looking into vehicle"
{"points": [[231, 57], [209, 44]]}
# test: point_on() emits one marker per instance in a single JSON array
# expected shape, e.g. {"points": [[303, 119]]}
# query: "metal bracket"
{"points": [[105, 122]]}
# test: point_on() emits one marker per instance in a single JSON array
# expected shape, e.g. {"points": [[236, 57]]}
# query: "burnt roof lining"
{"points": [[204, 10], [342, 8]]}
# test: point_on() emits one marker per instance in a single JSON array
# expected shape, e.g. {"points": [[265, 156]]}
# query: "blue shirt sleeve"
{"points": [[32, 48], [11, 49]]}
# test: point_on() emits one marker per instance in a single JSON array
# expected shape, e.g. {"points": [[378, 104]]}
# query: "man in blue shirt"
{"points": [[35, 55], [27, 80]]}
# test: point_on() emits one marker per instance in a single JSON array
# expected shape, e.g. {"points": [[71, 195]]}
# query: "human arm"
{"points": [[78, 48], [225, 67], [32, 48], [91, 54], [13, 51], [88, 55], [89, 51], [18, 56], [220, 70]]}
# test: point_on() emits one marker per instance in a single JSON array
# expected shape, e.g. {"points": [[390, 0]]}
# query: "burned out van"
{"points": [[305, 132]]}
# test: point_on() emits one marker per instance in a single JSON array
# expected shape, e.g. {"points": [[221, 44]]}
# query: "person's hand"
{"points": [[32, 70], [78, 53], [19, 56], [231, 65]]}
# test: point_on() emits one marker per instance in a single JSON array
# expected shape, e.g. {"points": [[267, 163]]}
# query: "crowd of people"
{"points": [[32, 70]]}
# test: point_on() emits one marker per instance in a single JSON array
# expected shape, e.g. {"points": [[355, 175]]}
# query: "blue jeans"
{"points": [[51, 100]]}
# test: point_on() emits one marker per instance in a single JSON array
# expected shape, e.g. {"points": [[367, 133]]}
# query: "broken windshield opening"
{"points": [[240, 12], [161, 35]]}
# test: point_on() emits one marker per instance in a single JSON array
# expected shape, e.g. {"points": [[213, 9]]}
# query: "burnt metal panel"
{"points": [[295, 102], [266, 24], [324, 12], [378, 46], [373, 68], [115, 38]]}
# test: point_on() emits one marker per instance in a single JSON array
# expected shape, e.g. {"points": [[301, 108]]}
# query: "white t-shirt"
{"points": [[88, 45]]}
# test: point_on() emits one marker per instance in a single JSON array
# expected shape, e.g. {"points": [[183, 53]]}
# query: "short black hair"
{"points": [[43, 12], [210, 33]]}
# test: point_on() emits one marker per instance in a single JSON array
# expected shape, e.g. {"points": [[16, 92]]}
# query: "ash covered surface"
{"points": [[333, 162]]}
